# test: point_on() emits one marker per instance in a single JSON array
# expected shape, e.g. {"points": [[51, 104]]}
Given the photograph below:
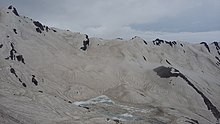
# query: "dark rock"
{"points": [[116, 121], [218, 53], [12, 51], [85, 43], [38, 30], [158, 41], [24, 84], [15, 12], [15, 31], [181, 45], [174, 43], [69, 102], [12, 70], [34, 80], [54, 30], [206, 45], [10, 7], [119, 38], [216, 45], [20, 79], [39, 25], [47, 28], [20, 58], [40, 91], [169, 42], [145, 42], [7, 36], [217, 59], [1, 45]]}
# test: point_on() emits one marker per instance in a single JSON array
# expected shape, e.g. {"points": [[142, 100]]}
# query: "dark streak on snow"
{"points": [[168, 62], [144, 58], [193, 120], [165, 72]]}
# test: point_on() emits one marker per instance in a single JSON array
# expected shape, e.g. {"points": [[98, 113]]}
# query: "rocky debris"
{"points": [[85, 43], [39, 25], [167, 72], [206, 45], [15, 31], [1, 45], [34, 80]]}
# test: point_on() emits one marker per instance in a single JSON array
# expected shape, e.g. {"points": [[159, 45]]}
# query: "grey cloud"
{"points": [[123, 18]]}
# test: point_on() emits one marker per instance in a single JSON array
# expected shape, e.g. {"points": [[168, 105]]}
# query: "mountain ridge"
{"points": [[45, 70]]}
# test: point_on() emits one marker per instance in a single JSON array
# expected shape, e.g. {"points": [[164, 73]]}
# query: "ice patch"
{"points": [[100, 99]]}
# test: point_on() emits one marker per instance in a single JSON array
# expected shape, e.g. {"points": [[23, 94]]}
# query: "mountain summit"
{"points": [[48, 76]]}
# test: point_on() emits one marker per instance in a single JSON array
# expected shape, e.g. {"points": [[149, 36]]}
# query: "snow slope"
{"points": [[48, 76]]}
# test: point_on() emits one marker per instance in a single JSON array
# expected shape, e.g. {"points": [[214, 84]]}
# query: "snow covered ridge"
{"points": [[48, 76]]}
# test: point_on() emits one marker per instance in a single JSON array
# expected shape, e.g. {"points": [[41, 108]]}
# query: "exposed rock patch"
{"points": [[85, 43], [39, 25], [167, 72], [206, 45]]}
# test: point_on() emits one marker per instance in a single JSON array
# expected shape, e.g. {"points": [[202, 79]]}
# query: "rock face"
{"points": [[48, 76]]}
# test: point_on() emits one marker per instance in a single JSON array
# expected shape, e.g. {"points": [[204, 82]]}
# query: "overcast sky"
{"points": [[186, 20]]}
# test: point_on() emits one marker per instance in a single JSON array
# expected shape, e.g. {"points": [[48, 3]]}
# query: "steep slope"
{"points": [[48, 75]]}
